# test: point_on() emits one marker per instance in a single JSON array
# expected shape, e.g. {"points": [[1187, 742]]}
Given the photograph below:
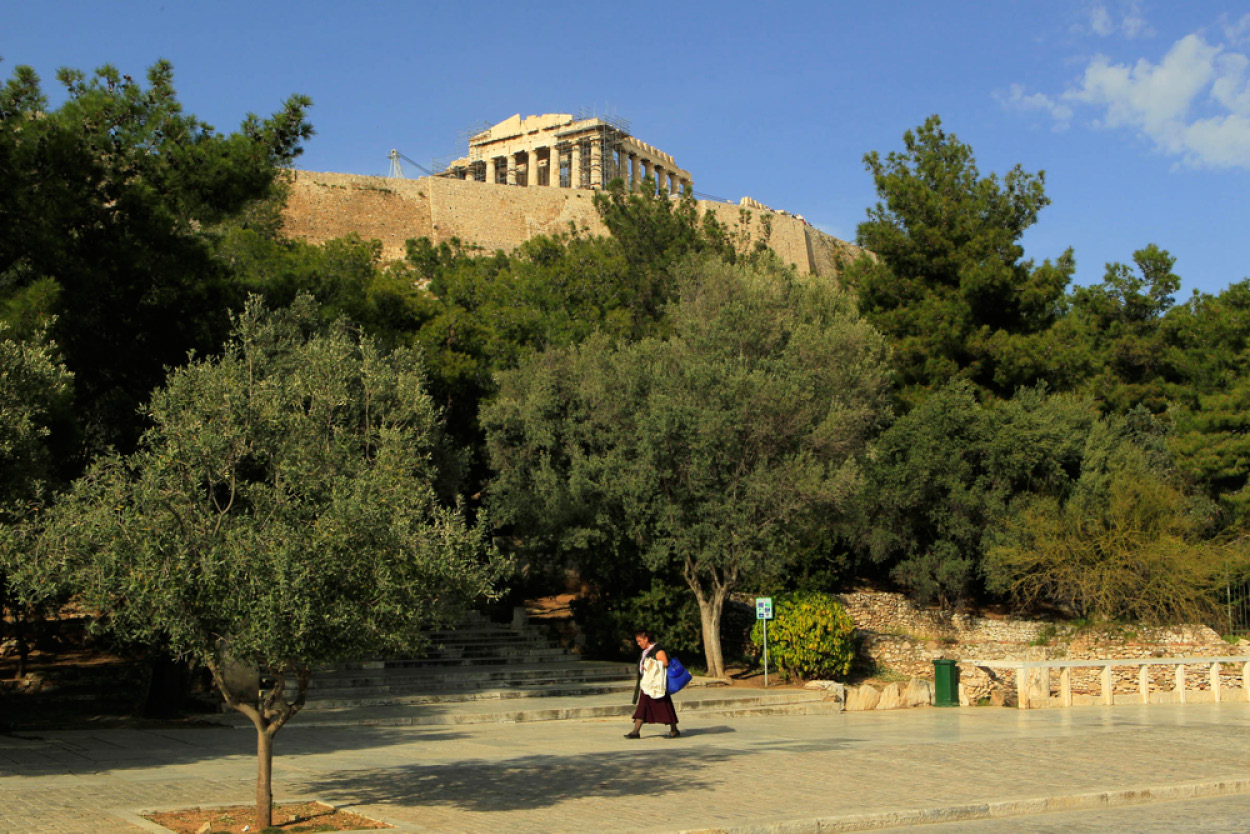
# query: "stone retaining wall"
{"points": [[903, 637], [324, 206]]}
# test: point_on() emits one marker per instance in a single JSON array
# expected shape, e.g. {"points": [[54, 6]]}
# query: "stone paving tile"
{"points": [[1212, 815], [580, 776]]}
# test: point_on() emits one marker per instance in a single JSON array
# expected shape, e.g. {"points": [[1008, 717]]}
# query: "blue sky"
{"points": [[1138, 112]]}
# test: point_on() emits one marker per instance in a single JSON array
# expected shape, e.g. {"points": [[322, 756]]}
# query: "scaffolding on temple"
{"points": [[602, 159], [584, 151]]}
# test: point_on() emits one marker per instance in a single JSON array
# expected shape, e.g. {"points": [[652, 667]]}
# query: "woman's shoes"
{"points": [[674, 734], [633, 735]]}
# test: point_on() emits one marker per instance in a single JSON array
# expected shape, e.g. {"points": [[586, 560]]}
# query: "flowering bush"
{"points": [[810, 637]]}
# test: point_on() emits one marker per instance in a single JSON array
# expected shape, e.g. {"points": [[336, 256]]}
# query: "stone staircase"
{"points": [[478, 660], [483, 672]]}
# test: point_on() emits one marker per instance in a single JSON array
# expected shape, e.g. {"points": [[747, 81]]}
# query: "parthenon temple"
{"points": [[557, 150]]}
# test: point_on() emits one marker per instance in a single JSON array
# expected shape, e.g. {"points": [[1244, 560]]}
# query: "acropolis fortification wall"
{"points": [[324, 206]]}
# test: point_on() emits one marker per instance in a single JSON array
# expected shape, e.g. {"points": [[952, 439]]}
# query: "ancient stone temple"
{"points": [[557, 150]]}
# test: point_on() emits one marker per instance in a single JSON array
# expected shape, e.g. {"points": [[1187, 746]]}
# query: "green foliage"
{"points": [[655, 234], [1119, 326], [345, 275], [709, 453], [104, 206], [944, 473], [1208, 338], [281, 508], [34, 391], [948, 284], [486, 313], [1125, 542], [34, 387], [1136, 556], [811, 636]]}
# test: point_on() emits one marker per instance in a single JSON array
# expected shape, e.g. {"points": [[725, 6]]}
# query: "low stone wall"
{"points": [[906, 638]]}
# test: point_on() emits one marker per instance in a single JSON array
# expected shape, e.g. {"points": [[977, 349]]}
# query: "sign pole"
{"points": [[764, 613], [765, 654]]}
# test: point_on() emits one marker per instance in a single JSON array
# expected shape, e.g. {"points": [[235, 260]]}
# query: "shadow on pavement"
{"points": [[527, 782], [77, 751], [720, 729]]}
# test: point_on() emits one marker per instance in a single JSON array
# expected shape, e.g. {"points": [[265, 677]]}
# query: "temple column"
{"points": [[511, 171], [672, 185], [555, 167], [660, 174], [490, 169], [646, 170], [635, 176], [575, 165], [596, 164]]}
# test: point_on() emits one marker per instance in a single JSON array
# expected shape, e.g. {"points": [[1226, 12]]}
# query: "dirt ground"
{"points": [[303, 816]]}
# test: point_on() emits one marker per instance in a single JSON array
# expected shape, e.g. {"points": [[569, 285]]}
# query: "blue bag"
{"points": [[678, 677]]}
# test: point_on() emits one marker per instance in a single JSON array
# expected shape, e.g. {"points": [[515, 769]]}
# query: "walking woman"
{"points": [[655, 705]]}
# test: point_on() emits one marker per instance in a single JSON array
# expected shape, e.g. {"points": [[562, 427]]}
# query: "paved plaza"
{"points": [[1124, 768]]}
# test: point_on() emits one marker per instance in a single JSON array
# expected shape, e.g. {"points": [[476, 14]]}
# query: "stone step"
{"points": [[478, 656], [467, 679], [571, 665], [486, 640], [475, 677], [378, 696], [489, 656], [709, 702], [431, 665]]}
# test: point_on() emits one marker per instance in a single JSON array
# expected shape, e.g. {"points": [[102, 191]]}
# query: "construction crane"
{"points": [[397, 170]]}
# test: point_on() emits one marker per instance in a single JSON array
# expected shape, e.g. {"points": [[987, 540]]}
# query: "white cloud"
{"points": [[1194, 104], [1017, 99], [1134, 24], [1231, 87], [1127, 20], [1150, 96], [1100, 20], [1237, 32]]}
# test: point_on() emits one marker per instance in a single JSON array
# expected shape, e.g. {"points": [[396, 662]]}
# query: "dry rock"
{"points": [[891, 697], [865, 697], [833, 690], [919, 693]]}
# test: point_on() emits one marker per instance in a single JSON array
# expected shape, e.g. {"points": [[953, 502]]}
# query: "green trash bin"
{"points": [[945, 683]]}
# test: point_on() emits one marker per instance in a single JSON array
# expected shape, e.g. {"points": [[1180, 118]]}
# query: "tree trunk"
{"points": [[264, 779], [268, 714], [710, 607]]}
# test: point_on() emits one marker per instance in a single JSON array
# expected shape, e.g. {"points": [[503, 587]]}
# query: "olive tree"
{"points": [[280, 513], [34, 387], [714, 451]]}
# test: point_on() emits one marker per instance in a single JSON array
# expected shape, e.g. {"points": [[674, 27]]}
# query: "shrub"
{"points": [[810, 637], [1130, 550]]}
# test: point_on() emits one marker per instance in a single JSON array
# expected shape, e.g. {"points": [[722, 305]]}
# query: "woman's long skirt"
{"points": [[655, 710]]}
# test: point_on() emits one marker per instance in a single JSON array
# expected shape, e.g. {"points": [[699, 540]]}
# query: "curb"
{"points": [[989, 810]]}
